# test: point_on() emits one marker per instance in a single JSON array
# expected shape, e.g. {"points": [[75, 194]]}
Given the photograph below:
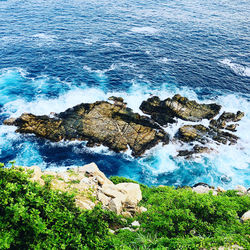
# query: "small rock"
{"points": [[214, 192], [220, 189], [135, 223], [111, 231], [246, 216], [126, 214], [127, 228], [142, 209], [241, 189], [201, 189]]}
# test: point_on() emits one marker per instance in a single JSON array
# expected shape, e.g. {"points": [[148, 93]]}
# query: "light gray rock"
{"points": [[241, 189], [245, 216], [103, 198], [132, 192], [127, 228], [201, 189], [115, 205], [111, 231], [112, 191], [135, 223], [142, 209], [92, 170]]}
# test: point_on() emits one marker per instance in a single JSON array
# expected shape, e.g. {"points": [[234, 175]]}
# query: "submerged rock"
{"points": [[178, 107], [195, 150], [111, 125]]}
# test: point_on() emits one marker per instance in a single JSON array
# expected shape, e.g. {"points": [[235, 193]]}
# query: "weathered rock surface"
{"points": [[221, 122], [246, 216], [91, 186], [165, 111], [202, 134], [195, 150], [119, 128], [112, 125]]}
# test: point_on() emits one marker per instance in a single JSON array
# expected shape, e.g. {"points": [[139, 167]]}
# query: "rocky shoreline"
{"points": [[114, 125]]}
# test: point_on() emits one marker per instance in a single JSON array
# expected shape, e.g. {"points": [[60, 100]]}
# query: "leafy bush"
{"points": [[32, 216], [35, 217], [184, 218]]}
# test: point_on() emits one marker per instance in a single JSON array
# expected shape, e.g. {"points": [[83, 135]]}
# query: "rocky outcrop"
{"points": [[202, 134], [221, 122], [166, 111], [112, 125], [91, 186]]}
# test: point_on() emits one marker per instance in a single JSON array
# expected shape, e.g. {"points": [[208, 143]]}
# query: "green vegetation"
{"points": [[35, 217]]}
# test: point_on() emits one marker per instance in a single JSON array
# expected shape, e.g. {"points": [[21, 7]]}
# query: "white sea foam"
{"points": [[236, 68], [164, 60], [145, 30], [98, 71], [45, 37], [90, 41], [227, 161], [112, 44]]}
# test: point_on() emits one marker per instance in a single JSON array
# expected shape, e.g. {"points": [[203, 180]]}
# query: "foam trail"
{"points": [[45, 37], [237, 68], [145, 30]]}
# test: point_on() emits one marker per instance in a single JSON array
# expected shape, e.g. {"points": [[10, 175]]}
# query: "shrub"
{"points": [[32, 216], [35, 217]]}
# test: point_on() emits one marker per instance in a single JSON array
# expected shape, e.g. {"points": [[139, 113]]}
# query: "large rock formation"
{"points": [[119, 128], [165, 111], [90, 187], [112, 125]]}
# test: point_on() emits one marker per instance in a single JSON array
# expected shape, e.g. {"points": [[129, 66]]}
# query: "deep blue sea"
{"points": [[56, 54]]}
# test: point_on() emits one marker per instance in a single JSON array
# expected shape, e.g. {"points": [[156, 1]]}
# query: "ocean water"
{"points": [[57, 54]]}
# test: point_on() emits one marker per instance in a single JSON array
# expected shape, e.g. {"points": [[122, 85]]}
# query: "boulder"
{"points": [[220, 189], [111, 125], [115, 205], [135, 223], [92, 170], [132, 192], [113, 192], [203, 188], [189, 133], [195, 150], [104, 199], [165, 111], [241, 189], [245, 216]]}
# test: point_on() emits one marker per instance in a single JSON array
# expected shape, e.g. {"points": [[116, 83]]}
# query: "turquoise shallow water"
{"points": [[56, 54]]}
